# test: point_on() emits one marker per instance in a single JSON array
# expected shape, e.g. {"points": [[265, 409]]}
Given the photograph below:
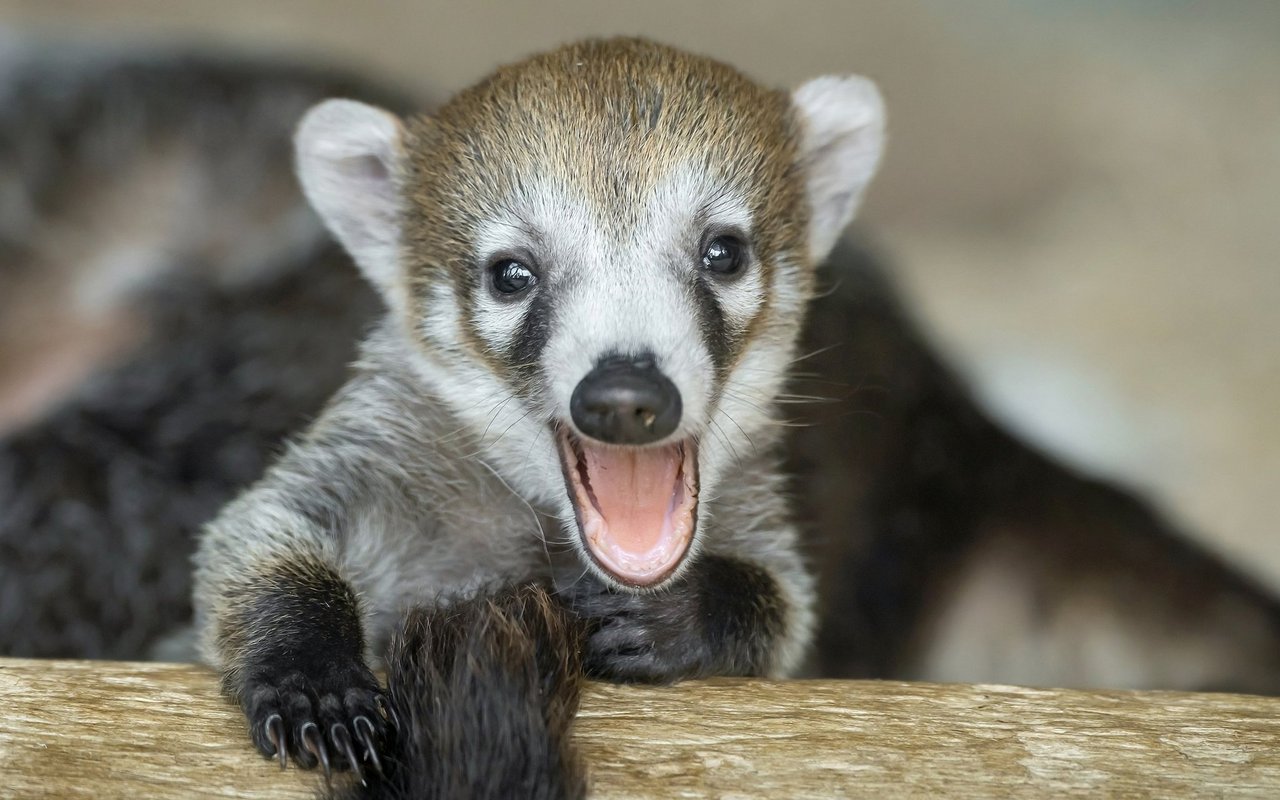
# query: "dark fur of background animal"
{"points": [[248, 319], [100, 501], [902, 481]]}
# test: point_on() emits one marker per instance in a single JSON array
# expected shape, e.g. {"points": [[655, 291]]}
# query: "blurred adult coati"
{"points": [[945, 548], [156, 276]]}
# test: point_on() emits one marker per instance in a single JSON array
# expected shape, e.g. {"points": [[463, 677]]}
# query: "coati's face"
{"points": [[602, 257]]}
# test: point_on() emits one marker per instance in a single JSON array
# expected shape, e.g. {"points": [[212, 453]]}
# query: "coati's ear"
{"points": [[840, 146], [349, 164]]}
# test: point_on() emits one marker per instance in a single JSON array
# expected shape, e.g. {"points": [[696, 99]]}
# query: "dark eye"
{"points": [[510, 276], [723, 256]]}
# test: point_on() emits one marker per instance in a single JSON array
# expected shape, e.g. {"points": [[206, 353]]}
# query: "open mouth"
{"points": [[636, 506]]}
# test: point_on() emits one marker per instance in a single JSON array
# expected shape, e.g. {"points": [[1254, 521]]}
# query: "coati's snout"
{"points": [[626, 401]]}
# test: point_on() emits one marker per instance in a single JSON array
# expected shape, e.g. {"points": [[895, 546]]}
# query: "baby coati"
{"points": [[943, 547], [595, 264]]}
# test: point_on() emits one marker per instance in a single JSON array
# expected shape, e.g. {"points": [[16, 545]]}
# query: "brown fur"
{"points": [[251, 626]]}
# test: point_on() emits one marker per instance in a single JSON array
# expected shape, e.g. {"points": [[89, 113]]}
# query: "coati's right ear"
{"points": [[349, 161]]}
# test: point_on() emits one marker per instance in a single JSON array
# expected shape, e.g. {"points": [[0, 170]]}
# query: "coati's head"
{"points": [[602, 256]]}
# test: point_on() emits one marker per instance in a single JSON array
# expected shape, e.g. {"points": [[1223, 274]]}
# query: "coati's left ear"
{"points": [[843, 122], [349, 159]]}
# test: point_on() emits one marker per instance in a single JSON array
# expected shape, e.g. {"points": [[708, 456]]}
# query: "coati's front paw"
{"points": [[720, 618], [333, 715], [636, 638]]}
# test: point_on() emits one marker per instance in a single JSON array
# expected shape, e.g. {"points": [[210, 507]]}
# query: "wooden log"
{"points": [[110, 729]]}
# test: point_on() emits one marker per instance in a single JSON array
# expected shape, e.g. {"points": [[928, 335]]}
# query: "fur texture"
{"points": [[151, 228], [117, 169], [947, 549], [475, 682], [101, 499]]}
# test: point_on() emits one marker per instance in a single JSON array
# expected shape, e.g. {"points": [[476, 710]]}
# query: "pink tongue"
{"points": [[633, 490]]}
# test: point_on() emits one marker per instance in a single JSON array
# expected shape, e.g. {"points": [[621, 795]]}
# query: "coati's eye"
{"points": [[511, 277], [723, 256]]}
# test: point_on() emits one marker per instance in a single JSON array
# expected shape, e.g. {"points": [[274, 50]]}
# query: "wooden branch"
{"points": [[109, 729]]}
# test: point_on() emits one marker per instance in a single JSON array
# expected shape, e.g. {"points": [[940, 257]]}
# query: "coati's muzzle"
{"points": [[636, 502]]}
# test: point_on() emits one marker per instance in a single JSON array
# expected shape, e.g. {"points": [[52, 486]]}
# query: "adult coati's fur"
{"points": [[947, 549], [915, 503], [152, 194], [100, 499], [115, 170]]}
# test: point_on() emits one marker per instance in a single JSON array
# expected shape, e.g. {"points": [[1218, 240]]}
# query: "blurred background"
{"points": [[1082, 199]]}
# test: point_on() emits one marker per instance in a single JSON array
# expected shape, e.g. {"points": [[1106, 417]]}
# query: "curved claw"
{"points": [[365, 735], [274, 728], [341, 738], [314, 743]]}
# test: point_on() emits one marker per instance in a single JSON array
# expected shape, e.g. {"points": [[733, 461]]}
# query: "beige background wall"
{"points": [[1083, 197]]}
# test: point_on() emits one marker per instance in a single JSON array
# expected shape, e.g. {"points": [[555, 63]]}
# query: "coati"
{"points": [[595, 264], [944, 547], [116, 170]]}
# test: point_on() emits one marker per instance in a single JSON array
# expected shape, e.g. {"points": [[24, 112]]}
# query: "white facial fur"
{"points": [[614, 290], [627, 291], [619, 291]]}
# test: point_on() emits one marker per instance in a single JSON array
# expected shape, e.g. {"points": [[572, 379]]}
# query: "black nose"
{"points": [[626, 401]]}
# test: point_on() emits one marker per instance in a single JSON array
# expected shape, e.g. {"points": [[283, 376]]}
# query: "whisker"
{"points": [[812, 353], [494, 416], [744, 433]]}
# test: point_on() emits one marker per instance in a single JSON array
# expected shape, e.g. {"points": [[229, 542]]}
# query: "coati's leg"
{"points": [[284, 623], [301, 677], [299, 579]]}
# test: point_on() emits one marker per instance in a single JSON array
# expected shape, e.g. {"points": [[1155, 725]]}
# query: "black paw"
{"points": [[644, 638], [722, 617], [334, 717]]}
